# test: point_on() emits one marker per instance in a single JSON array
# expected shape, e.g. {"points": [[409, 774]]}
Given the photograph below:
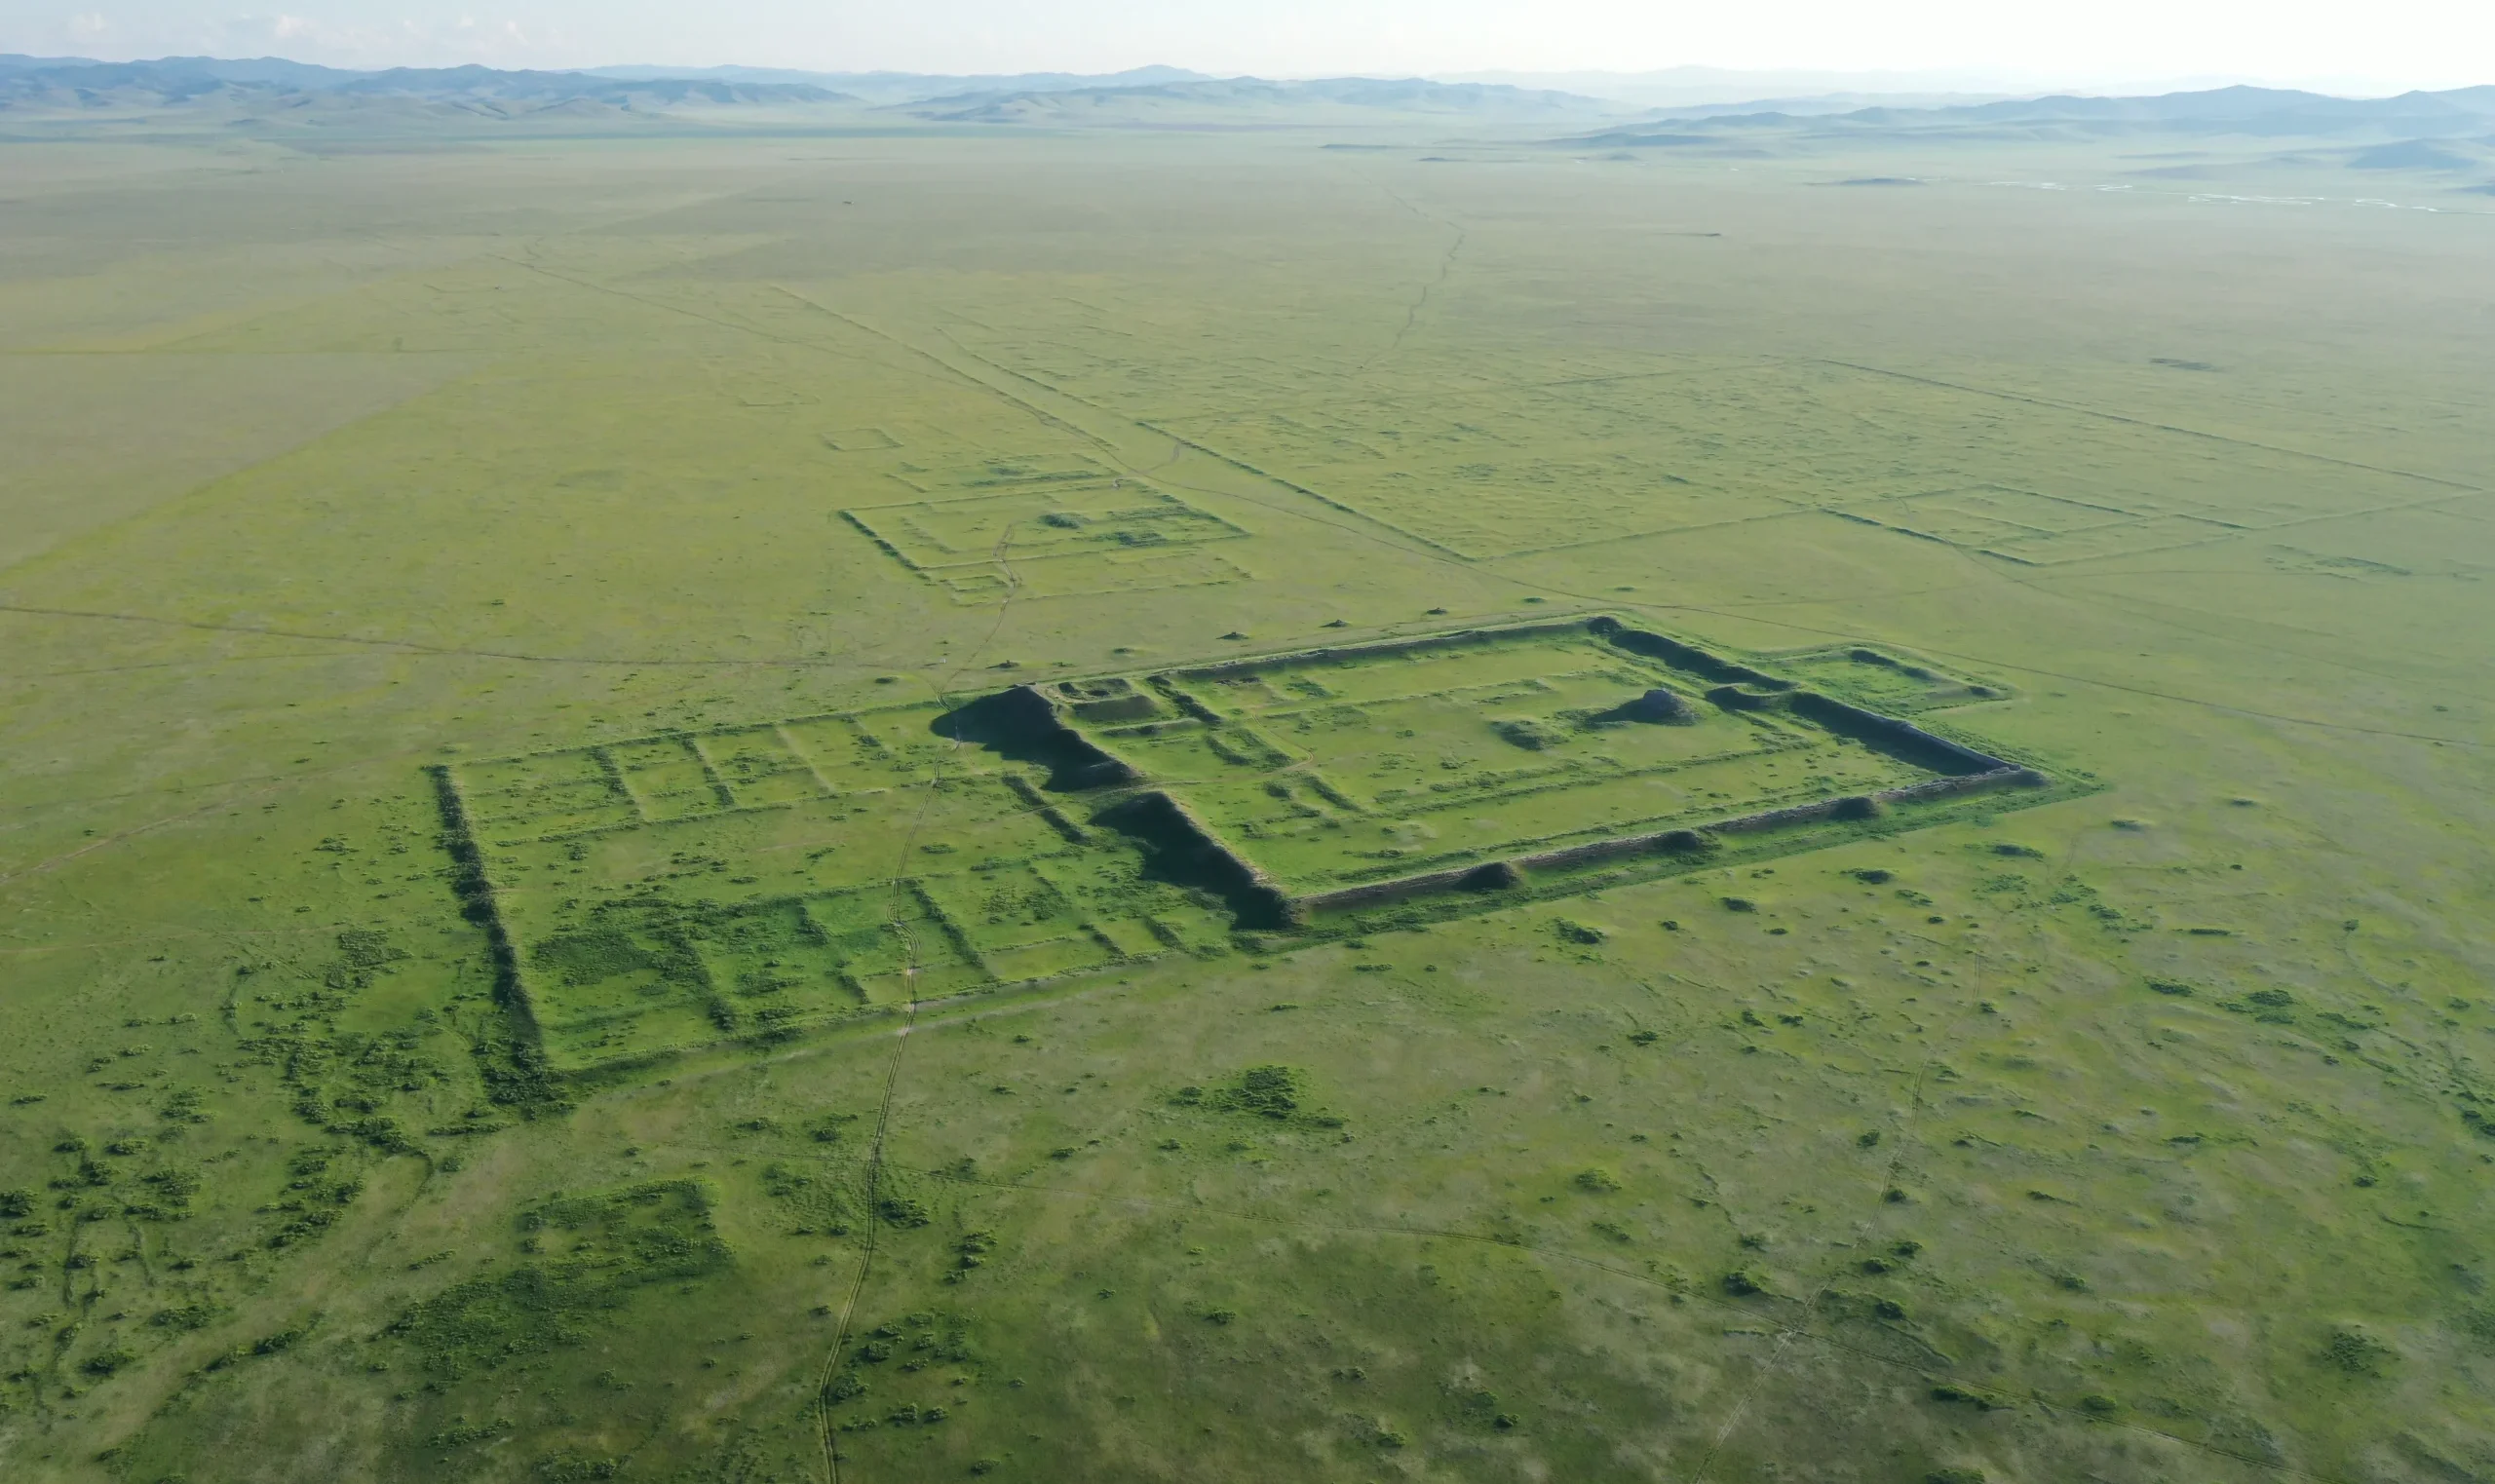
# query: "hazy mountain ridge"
{"points": [[1409, 95], [2439, 136], [175, 81], [2236, 110], [255, 69], [259, 89], [885, 87], [1006, 99], [1142, 97]]}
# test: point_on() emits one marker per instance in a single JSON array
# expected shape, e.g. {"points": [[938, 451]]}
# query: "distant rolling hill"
{"points": [[916, 86], [265, 89], [1241, 97], [1142, 97], [2411, 154], [2445, 131], [2446, 139], [265, 83], [2256, 112]]}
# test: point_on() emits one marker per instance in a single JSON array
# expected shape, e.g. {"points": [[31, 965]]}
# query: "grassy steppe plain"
{"points": [[2141, 1135]]}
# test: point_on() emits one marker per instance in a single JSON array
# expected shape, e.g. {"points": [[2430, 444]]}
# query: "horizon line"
{"points": [[1936, 81]]}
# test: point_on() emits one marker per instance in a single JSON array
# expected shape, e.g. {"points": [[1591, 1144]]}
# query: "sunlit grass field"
{"points": [[508, 973]]}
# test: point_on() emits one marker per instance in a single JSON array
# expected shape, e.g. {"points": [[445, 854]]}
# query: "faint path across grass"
{"points": [[841, 1332], [1421, 300]]}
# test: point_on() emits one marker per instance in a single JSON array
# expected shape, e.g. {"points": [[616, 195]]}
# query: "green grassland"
{"points": [[520, 963]]}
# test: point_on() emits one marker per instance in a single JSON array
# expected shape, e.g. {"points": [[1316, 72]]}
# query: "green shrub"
{"points": [[901, 1212], [174, 1184], [970, 1252], [2357, 1352], [108, 1362], [1272, 1091], [844, 1386]]}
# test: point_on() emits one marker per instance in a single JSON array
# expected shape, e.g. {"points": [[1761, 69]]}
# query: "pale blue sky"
{"points": [[2381, 44]]}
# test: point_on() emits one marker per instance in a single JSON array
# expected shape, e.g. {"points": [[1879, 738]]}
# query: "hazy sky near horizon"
{"points": [[2382, 45]]}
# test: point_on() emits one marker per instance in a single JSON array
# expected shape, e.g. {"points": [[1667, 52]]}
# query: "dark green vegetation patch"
{"points": [[586, 1257]]}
